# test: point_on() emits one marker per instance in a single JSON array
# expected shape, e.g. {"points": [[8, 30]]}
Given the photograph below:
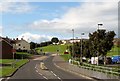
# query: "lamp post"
{"points": [[81, 47], [73, 43], [99, 25], [98, 40]]}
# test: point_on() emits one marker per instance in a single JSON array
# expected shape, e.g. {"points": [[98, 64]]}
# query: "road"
{"points": [[31, 71], [62, 74]]}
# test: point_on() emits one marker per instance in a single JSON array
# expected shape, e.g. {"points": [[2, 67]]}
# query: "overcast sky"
{"points": [[40, 21]]}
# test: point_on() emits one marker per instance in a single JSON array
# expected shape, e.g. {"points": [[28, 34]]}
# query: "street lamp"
{"points": [[99, 25], [81, 46], [73, 43]]}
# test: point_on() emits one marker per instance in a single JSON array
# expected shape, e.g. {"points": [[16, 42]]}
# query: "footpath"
{"points": [[62, 64]]}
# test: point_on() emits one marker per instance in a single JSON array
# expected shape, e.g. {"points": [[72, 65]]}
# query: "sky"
{"points": [[40, 21]]}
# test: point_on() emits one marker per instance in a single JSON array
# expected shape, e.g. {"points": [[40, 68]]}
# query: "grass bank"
{"points": [[66, 57], [114, 51], [53, 48], [8, 70]]}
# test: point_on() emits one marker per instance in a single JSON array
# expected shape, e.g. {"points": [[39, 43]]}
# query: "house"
{"points": [[63, 42], [21, 45], [5, 48], [70, 41], [74, 40]]}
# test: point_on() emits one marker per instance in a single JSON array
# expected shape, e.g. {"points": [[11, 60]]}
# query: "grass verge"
{"points": [[9, 70], [66, 57]]}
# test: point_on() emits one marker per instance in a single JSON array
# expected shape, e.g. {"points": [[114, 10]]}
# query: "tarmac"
{"points": [[64, 65]]}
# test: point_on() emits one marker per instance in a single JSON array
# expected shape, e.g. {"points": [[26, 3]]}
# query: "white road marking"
{"points": [[8, 77], [73, 72], [5, 79], [36, 66], [40, 74], [1, 79], [45, 77], [51, 71], [55, 75], [37, 71], [59, 78]]}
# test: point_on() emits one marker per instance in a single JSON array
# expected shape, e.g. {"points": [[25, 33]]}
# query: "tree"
{"points": [[86, 49], [101, 42], [55, 40], [98, 44], [42, 44], [32, 45]]}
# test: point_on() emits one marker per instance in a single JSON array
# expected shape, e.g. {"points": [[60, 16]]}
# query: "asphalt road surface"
{"points": [[59, 72], [28, 71], [31, 72]]}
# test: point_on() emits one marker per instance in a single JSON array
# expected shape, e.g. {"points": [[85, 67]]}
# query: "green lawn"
{"points": [[66, 57], [6, 61], [114, 51], [53, 48], [8, 70]]}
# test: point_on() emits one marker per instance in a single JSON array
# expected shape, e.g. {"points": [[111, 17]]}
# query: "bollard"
{"points": [[42, 66]]}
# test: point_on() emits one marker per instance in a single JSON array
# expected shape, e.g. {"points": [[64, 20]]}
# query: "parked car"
{"points": [[116, 59]]}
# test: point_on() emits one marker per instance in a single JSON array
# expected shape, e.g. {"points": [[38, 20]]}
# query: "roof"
{"points": [[17, 41], [5, 41]]}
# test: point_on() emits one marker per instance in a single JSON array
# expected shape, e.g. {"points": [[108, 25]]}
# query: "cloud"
{"points": [[60, 0], [83, 18], [16, 7], [34, 37]]}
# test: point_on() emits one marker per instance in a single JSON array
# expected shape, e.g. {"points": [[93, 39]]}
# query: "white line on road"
{"points": [[59, 78], [1, 79], [73, 72], [40, 74], [37, 71], [45, 77], [56, 75], [36, 66], [53, 73], [6, 79]]}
